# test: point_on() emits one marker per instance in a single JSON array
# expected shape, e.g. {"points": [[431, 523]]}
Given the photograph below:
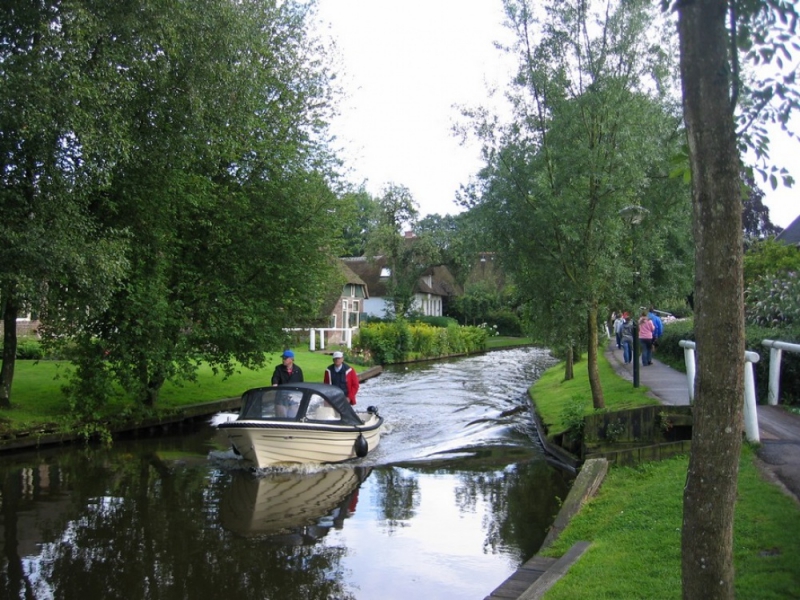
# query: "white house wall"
{"points": [[375, 307]]}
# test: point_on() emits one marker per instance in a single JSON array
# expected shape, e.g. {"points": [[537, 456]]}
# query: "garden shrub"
{"points": [[28, 349], [394, 342], [773, 301], [507, 322]]}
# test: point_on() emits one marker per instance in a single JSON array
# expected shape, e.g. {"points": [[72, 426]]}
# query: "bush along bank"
{"points": [[399, 341]]}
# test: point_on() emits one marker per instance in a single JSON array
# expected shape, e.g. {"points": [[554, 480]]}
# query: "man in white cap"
{"points": [[342, 376]]}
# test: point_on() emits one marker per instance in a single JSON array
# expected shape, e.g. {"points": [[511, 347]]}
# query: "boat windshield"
{"points": [[320, 409], [271, 403]]}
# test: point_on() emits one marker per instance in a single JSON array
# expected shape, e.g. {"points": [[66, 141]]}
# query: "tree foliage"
{"points": [[592, 131], [755, 215], [359, 213], [60, 136], [407, 257], [214, 168]]}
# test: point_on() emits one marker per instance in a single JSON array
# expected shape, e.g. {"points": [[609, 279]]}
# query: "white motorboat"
{"points": [[301, 423]]}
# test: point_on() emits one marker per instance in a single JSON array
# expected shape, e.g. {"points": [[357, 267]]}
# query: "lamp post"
{"points": [[633, 215], [635, 351]]}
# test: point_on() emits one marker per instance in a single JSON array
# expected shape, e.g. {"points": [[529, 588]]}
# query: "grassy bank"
{"points": [[38, 402], [553, 395], [634, 522], [503, 341]]}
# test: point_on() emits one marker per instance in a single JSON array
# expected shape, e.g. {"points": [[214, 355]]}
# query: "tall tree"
{"points": [[407, 255], [60, 136], [711, 35], [360, 218], [222, 189], [591, 134]]}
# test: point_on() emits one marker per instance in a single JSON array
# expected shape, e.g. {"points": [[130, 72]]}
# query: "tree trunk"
{"points": [[594, 376], [569, 373], [710, 491], [10, 313]]}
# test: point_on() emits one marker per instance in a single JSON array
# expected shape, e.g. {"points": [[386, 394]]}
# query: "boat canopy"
{"points": [[299, 402]]}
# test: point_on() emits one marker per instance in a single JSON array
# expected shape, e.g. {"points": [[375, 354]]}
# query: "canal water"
{"points": [[454, 499]]}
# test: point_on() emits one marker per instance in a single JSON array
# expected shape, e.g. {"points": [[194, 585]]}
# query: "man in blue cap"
{"points": [[287, 371]]}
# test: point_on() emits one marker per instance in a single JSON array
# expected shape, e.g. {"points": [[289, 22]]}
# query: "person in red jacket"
{"points": [[342, 376]]}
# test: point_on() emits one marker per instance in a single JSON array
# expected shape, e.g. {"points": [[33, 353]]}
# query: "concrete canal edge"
{"points": [[540, 573], [152, 426]]}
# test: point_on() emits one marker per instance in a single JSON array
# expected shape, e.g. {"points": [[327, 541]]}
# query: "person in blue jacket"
{"points": [[657, 324]]}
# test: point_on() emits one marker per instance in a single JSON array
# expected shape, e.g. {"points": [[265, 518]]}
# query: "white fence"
{"points": [[346, 335], [750, 411], [775, 356]]}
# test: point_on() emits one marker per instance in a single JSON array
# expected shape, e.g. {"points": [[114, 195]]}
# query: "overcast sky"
{"points": [[407, 66]]}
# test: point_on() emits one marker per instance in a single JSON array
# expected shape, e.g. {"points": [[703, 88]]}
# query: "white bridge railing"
{"points": [[775, 355], [750, 412]]}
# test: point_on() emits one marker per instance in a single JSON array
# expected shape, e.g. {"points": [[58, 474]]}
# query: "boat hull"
{"points": [[268, 444]]}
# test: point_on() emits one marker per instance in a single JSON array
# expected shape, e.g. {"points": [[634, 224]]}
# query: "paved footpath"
{"points": [[779, 430]]}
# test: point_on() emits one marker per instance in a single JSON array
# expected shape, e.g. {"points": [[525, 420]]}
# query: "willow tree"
{"points": [[591, 134]]}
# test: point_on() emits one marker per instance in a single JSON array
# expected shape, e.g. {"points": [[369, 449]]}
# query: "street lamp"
{"points": [[633, 215]]}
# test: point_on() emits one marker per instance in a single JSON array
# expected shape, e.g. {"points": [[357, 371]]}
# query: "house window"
{"points": [[332, 322], [353, 316]]}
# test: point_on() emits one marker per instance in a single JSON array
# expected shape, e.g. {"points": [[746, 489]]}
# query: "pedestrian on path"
{"points": [[646, 330], [627, 339], [658, 325], [618, 323]]}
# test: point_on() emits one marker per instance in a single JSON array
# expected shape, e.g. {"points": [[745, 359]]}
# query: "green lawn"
{"points": [[634, 522], [552, 394], [634, 525], [37, 400], [504, 341]]}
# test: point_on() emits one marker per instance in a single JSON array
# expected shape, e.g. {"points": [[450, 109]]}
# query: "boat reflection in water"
{"points": [[291, 508]]}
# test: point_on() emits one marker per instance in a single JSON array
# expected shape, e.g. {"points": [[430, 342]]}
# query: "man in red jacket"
{"points": [[342, 376]]}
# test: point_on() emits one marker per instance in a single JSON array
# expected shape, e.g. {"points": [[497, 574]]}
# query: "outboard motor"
{"points": [[361, 446]]}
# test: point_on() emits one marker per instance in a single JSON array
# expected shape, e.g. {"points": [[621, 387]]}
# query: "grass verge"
{"points": [[634, 525], [552, 394], [634, 522]]}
